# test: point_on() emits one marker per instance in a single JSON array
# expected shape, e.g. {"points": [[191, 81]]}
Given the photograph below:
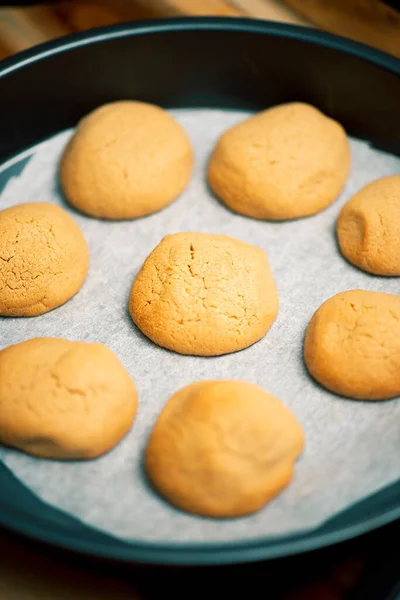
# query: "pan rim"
{"points": [[193, 553], [179, 24], [109, 547]]}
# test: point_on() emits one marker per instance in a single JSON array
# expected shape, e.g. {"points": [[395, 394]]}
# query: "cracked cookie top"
{"points": [[64, 400], [44, 259], [204, 294], [287, 162], [352, 345], [125, 160], [223, 448], [368, 227]]}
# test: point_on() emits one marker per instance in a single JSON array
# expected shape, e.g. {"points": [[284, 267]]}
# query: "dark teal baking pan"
{"points": [[205, 62]]}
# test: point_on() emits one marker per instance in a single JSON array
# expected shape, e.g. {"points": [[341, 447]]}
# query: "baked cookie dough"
{"points": [[368, 227], [44, 259], [126, 160], [64, 400], [223, 448], [204, 294], [352, 345], [286, 162]]}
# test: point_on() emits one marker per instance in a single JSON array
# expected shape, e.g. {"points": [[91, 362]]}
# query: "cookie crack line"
{"points": [[209, 294], [352, 345], [211, 454], [126, 160], [7, 259], [207, 306], [64, 386], [43, 254], [63, 399]]}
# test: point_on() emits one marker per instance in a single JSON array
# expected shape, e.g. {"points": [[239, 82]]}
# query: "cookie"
{"points": [[368, 228], [286, 162], [204, 294], [44, 259], [64, 400], [352, 345], [223, 448], [126, 160]]}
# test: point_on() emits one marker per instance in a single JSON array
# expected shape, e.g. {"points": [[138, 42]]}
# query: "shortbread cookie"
{"points": [[126, 160], [368, 227], [64, 400], [204, 294], [352, 345], [286, 162], [44, 259], [223, 448]]}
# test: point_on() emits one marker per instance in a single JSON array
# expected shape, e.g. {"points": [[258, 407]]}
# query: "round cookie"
{"points": [[64, 400], [223, 448], [44, 259], [368, 227], [286, 162], [126, 160], [352, 345], [204, 294]]}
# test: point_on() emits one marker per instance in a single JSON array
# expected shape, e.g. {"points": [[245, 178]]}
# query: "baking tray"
{"points": [[187, 63]]}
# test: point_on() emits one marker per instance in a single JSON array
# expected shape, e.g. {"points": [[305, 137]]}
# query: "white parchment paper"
{"points": [[352, 447]]}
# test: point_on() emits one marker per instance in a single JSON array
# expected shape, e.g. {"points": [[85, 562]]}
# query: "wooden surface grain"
{"points": [[174, 8], [273, 10], [368, 21], [22, 28]]}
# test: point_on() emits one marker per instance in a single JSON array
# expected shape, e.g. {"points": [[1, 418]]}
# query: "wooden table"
{"points": [[27, 571], [369, 21]]}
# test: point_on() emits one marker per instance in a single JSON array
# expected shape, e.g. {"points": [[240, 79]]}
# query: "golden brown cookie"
{"points": [[352, 345], [125, 160], [64, 400], [368, 227], [223, 448], [204, 294], [44, 259], [286, 162]]}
